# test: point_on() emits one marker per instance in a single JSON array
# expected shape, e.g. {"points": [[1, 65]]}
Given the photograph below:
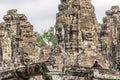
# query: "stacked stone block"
{"points": [[18, 42], [77, 32], [110, 35]]}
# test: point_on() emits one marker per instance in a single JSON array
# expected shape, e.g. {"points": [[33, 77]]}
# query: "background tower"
{"points": [[110, 36]]}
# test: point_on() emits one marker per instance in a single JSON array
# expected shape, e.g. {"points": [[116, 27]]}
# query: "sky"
{"points": [[42, 13]]}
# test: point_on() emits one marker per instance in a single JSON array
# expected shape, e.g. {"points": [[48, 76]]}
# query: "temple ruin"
{"points": [[77, 32], [85, 51]]}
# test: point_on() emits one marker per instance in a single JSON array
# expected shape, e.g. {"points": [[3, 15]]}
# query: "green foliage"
{"points": [[41, 40], [99, 25], [47, 38]]}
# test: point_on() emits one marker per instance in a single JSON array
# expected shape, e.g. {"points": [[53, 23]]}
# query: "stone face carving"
{"points": [[70, 21], [88, 33]]}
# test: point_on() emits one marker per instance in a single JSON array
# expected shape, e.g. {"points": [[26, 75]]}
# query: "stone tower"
{"points": [[18, 41], [76, 29], [76, 25], [110, 35]]}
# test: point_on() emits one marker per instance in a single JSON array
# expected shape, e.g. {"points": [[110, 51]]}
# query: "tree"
{"points": [[40, 40], [48, 38]]}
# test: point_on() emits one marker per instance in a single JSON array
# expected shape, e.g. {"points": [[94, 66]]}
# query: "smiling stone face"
{"points": [[88, 33]]}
